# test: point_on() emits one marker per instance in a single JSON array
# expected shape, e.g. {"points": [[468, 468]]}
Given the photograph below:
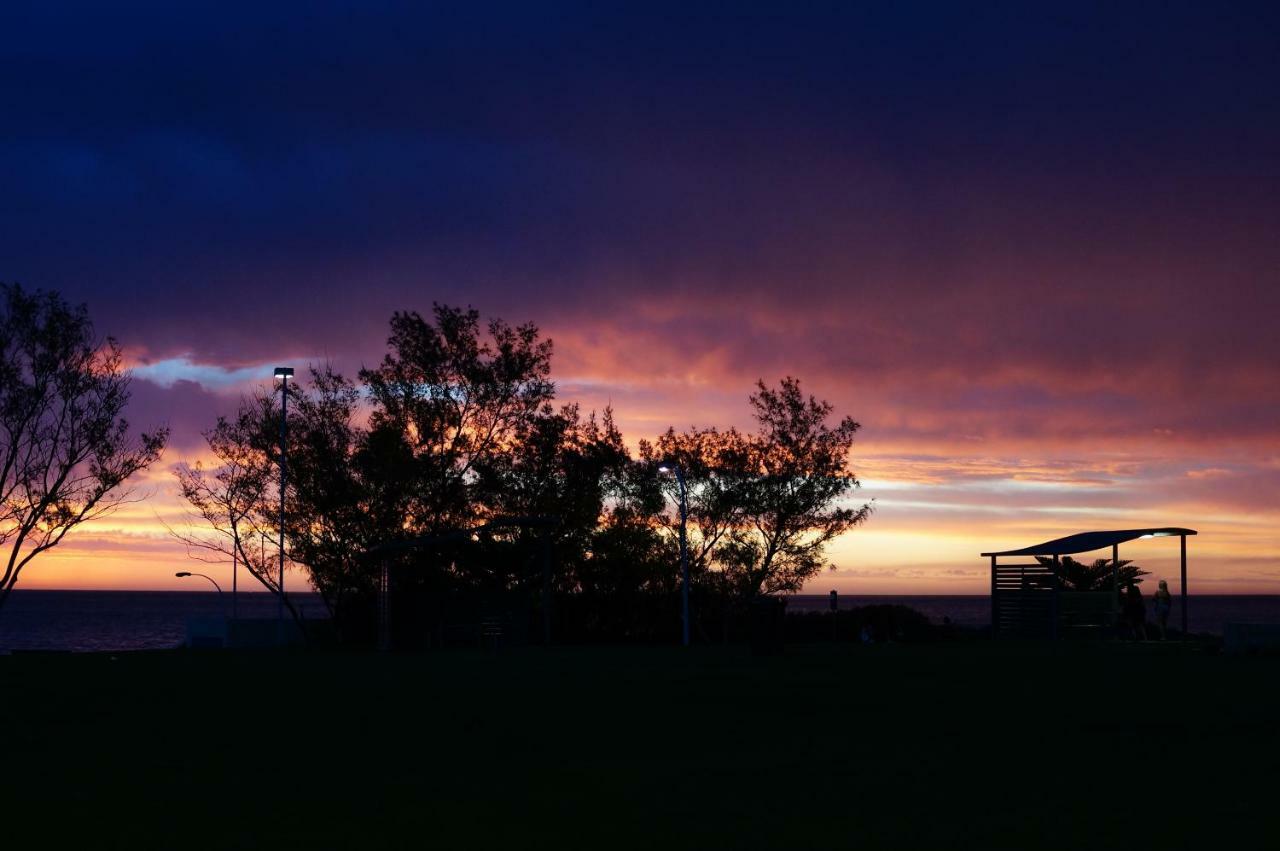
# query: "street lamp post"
{"points": [[671, 467], [283, 373], [183, 574], [235, 544]]}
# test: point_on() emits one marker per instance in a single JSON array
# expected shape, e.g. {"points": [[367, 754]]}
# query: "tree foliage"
{"points": [[795, 500], [455, 399], [1078, 576], [715, 466], [454, 444], [66, 450], [764, 506], [227, 500]]}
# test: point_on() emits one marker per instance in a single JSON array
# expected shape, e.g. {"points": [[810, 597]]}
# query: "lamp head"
{"points": [[666, 467], [284, 372], [180, 574]]}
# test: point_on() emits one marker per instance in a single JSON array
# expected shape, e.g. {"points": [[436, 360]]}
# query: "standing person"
{"points": [[1163, 605], [1135, 612]]}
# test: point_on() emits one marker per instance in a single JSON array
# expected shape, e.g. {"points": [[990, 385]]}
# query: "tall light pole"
{"points": [[283, 373], [672, 467], [183, 574], [235, 545]]}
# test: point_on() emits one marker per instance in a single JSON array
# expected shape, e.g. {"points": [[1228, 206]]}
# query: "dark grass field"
{"points": [[971, 745]]}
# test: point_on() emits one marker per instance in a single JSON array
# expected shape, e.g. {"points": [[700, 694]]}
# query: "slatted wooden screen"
{"points": [[1024, 600]]}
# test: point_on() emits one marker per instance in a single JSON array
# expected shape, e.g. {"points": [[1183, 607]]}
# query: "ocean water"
{"points": [[82, 621]]}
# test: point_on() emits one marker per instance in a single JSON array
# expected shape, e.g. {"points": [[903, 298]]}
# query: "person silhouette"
{"points": [[1135, 612], [1163, 605]]}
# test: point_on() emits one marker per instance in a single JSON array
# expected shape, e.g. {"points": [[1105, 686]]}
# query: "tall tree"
{"points": [[231, 499], [66, 449], [331, 512], [455, 398], [346, 488], [405, 456], [716, 469], [559, 465], [796, 498]]}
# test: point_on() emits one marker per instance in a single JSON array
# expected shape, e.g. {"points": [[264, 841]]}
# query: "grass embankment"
{"points": [[969, 745]]}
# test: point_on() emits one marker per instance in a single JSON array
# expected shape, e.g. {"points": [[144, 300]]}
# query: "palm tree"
{"points": [[1077, 576]]}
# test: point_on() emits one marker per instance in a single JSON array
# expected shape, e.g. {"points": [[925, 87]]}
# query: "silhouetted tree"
{"points": [[455, 428], [716, 469], [329, 513], [629, 556], [455, 399], [65, 446], [229, 500], [625, 584], [556, 465], [610, 560], [346, 493], [454, 435], [792, 502], [1078, 576]]}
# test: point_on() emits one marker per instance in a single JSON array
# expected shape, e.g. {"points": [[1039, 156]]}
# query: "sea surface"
{"points": [[81, 621]]}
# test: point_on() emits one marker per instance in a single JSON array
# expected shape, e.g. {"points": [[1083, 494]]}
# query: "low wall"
{"points": [[242, 632]]}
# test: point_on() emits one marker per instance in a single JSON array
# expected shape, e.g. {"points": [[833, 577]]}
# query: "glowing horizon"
{"points": [[935, 510]]}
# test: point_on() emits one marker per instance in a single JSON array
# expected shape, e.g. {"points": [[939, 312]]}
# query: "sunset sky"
{"points": [[1033, 251]]}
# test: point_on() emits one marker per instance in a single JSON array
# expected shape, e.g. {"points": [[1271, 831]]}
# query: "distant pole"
{"points": [[284, 466], [995, 604], [1115, 587], [235, 542], [684, 555], [283, 373], [672, 467], [1057, 583], [1182, 539], [835, 616]]}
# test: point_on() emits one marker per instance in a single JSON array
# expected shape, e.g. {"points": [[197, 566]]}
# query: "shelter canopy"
{"points": [[1089, 541]]}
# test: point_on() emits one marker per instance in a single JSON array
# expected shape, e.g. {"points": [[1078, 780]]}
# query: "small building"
{"points": [[1026, 595]]}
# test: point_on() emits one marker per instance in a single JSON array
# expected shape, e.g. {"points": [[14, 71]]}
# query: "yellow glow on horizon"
{"points": [[936, 510]]}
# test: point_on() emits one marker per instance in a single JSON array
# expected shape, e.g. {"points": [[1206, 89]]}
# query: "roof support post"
{"points": [[995, 608], [1053, 607], [1182, 540], [1115, 587]]}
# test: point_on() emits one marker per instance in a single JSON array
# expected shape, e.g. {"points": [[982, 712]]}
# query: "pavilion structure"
{"points": [[1024, 594]]}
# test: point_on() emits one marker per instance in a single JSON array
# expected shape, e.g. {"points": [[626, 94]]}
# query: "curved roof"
{"points": [[1089, 541]]}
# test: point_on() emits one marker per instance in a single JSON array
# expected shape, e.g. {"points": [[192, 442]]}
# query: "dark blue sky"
{"points": [[190, 157]]}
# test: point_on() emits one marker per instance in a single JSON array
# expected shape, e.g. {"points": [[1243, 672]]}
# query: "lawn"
{"points": [[972, 744]]}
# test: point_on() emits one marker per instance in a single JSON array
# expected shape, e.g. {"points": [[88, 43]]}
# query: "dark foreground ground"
{"points": [[970, 745]]}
